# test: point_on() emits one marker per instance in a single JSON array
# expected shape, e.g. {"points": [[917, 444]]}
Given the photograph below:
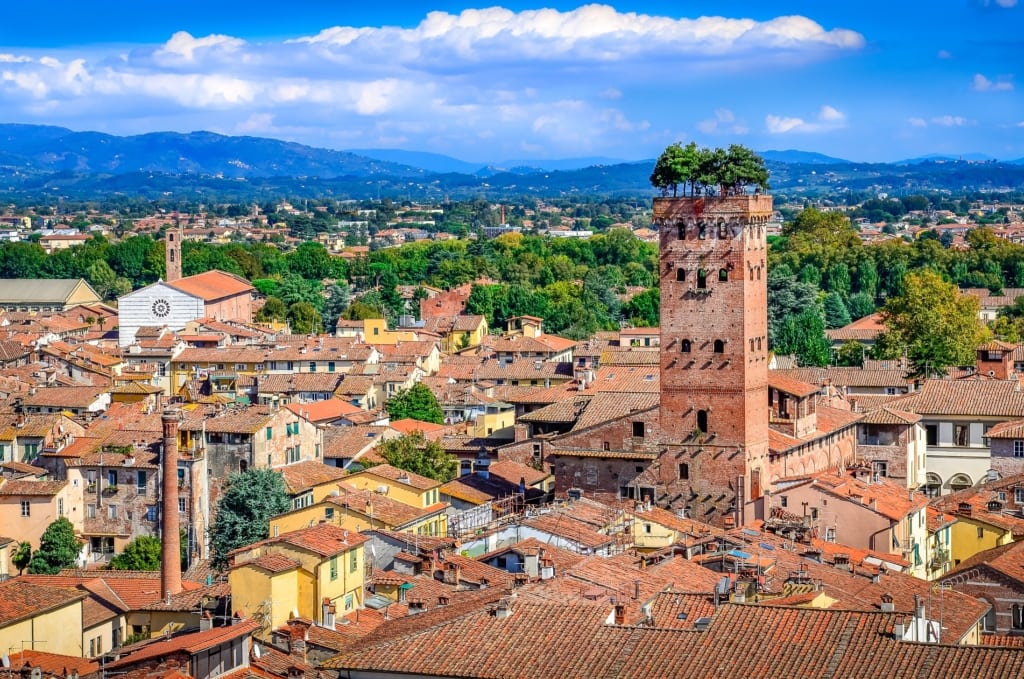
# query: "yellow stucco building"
{"points": [[357, 509], [398, 484], [40, 618], [316, 572]]}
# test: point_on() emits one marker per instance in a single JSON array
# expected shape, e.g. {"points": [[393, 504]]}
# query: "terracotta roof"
{"points": [[28, 487], [20, 599], [1014, 429], [293, 383], [409, 425], [379, 508], [212, 285], [274, 563], [302, 476], [190, 643], [64, 397], [386, 471], [885, 497], [569, 528], [513, 471], [323, 411], [324, 539], [53, 663], [887, 415], [790, 386], [991, 398]]}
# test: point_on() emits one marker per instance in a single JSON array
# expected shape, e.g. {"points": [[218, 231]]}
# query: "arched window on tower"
{"points": [[702, 231], [751, 343], [170, 253], [702, 279], [751, 273], [723, 275], [702, 420], [682, 230], [686, 346], [680, 274], [719, 346], [758, 273], [759, 344], [723, 230]]}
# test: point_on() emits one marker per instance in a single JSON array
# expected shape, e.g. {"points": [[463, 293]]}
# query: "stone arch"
{"points": [[719, 346], [960, 482]]}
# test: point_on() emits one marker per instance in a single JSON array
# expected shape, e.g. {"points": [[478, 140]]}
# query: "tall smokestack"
{"points": [[170, 551]]}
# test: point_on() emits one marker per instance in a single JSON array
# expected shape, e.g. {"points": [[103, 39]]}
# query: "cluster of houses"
{"points": [[603, 495]]}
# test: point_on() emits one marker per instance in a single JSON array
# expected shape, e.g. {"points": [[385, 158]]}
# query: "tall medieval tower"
{"points": [[714, 353], [172, 253]]}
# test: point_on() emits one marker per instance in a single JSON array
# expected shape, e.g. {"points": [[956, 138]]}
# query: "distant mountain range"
{"points": [[38, 160], [436, 162]]}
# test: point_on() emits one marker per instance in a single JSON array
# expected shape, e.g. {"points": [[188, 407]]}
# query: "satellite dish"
{"points": [[256, 650], [37, 673]]}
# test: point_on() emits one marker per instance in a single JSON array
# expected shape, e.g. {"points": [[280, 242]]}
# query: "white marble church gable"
{"points": [[156, 305]]}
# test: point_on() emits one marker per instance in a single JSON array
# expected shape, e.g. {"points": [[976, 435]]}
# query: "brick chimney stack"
{"points": [[170, 552]]}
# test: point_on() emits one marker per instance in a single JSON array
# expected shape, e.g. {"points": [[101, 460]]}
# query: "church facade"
{"points": [[213, 294]]}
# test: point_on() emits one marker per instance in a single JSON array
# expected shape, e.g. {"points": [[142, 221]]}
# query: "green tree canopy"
{"points": [[141, 554], [729, 171], [22, 556], [836, 313], [415, 454], [936, 324], [804, 336], [244, 511], [418, 403], [58, 549]]}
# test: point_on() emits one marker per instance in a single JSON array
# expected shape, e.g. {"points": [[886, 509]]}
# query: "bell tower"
{"points": [[714, 353], [172, 253]]}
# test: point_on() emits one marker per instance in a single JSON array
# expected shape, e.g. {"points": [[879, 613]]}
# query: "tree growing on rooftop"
{"points": [[727, 172]]}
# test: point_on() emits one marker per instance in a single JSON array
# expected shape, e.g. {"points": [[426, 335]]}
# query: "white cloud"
{"points": [[829, 118], [724, 121], [951, 121], [544, 77], [982, 84], [183, 47], [780, 125], [944, 54], [917, 122]]}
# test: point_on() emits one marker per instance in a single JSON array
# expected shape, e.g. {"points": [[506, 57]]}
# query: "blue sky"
{"points": [[866, 80]]}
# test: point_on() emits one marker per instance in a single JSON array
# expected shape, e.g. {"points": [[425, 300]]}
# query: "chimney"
{"points": [[620, 614], [205, 622], [170, 552], [918, 607], [297, 642], [898, 629], [887, 604]]}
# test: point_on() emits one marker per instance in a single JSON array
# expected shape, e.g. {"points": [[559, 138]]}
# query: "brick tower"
{"points": [[714, 354], [170, 549], [172, 253]]}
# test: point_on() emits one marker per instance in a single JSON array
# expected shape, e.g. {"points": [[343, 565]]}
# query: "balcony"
{"points": [[91, 488], [109, 491]]}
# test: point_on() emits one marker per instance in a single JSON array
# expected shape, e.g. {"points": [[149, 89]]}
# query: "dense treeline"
{"points": [[574, 284], [821, 275], [821, 271]]}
